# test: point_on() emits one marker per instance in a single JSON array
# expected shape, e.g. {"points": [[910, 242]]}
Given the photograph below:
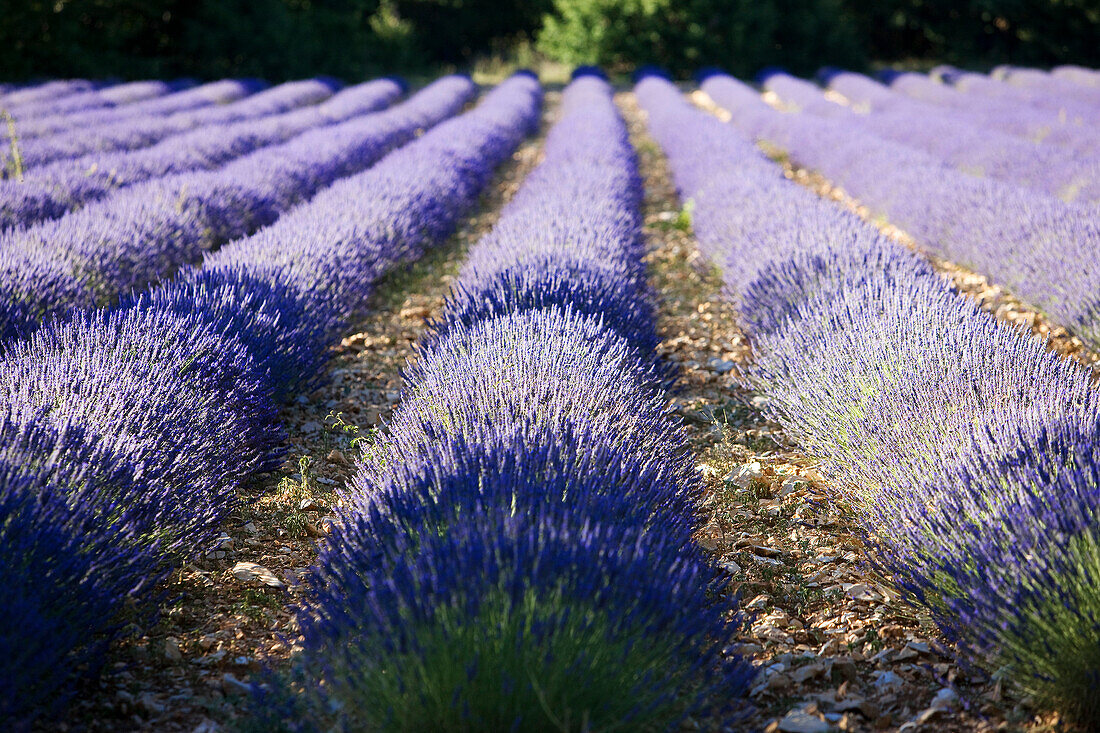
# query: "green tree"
{"points": [[739, 35]]}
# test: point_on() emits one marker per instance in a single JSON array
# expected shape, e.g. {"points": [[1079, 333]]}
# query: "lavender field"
{"points": [[730, 405]]}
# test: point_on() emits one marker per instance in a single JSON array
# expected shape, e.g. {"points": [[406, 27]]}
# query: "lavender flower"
{"points": [[147, 231]]}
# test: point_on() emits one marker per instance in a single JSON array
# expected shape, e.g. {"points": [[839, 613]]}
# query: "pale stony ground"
{"points": [[837, 648]]}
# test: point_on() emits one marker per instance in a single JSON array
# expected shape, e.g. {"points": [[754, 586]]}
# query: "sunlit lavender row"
{"points": [[969, 451], [142, 233], [1038, 246], [126, 431], [48, 191]]}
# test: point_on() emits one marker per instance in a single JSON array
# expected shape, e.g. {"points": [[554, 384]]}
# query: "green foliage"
{"points": [[502, 672], [981, 33], [739, 35], [273, 39], [353, 39], [458, 30]]}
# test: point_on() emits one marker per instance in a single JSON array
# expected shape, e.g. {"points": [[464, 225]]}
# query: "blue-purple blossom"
{"points": [[1016, 119], [145, 232], [1077, 74], [955, 139], [119, 95], [103, 131], [101, 122], [269, 117], [57, 89]]}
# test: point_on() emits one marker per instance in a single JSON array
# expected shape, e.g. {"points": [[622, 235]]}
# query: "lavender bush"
{"points": [[105, 98], [145, 232], [1047, 84], [100, 132], [1078, 75], [1080, 106], [48, 90], [99, 121], [1014, 119], [51, 190], [955, 140], [516, 552], [968, 451]]}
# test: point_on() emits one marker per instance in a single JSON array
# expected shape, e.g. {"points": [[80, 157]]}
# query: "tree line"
{"points": [[282, 39]]}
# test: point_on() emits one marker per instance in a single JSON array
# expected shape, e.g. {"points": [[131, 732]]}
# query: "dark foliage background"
{"points": [[280, 39]]}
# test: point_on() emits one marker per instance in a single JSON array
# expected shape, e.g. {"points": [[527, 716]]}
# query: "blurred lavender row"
{"points": [[133, 132], [970, 453], [1075, 87], [105, 98], [100, 121], [1041, 248], [126, 431], [1000, 114], [145, 232], [1078, 75], [953, 139], [1070, 102], [56, 90], [527, 521], [51, 190], [922, 97]]}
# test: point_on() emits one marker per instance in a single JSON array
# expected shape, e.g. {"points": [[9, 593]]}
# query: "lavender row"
{"points": [[968, 450], [1079, 105], [954, 140], [1078, 75], [52, 190], [52, 160], [108, 97], [144, 233], [126, 431], [1047, 83], [90, 146], [37, 153], [1006, 117], [100, 120], [132, 132], [1041, 248], [517, 551], [48, 90]]}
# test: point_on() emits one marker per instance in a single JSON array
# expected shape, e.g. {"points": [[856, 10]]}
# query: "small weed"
{"points": [[682, 221], [254, 604], [289, 495], [14, 165], [339, 433]]}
